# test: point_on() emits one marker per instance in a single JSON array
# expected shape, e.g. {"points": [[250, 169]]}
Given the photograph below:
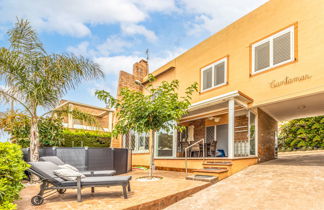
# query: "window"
{"points": [[210, 134], [273, 51], [214, 75], [137, 142]]}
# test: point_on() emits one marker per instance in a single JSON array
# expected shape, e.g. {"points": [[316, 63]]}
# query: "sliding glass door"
{"points": [[165, 143]]}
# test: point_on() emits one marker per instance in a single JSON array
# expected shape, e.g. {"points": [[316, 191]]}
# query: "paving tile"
{"points": [[293, 182], [112, 198]]}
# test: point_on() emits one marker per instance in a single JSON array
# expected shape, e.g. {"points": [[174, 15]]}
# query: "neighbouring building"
{"points": [[264, 68], [103, 116]]}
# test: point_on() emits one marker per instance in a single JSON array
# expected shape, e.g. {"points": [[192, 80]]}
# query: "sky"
{"points": [[116, 33]]}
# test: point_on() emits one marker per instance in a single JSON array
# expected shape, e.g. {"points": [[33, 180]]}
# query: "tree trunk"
{"points": [[34, 140], [151, 154]]}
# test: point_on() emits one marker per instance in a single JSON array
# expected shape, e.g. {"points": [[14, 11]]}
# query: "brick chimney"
{"points": [[127, 80], [140, 70]]}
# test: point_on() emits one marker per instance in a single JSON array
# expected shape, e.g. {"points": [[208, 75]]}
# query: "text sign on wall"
{"points": [[289, 80]]}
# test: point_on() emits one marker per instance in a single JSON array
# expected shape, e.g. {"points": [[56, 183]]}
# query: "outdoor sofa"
{"points": [[50, 182], [57, 161]]}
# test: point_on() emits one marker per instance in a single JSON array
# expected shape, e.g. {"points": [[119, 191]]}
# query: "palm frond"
{"points": [[24, 39], [35, 78], [7, 97]]}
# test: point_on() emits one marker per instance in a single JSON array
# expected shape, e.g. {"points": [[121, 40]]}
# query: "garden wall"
{"points": [[85, 158]]}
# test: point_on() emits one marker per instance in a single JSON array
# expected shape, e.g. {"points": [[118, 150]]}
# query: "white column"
{"points": [[70, 117], [174, 145], [110, 121], [231, 120]]}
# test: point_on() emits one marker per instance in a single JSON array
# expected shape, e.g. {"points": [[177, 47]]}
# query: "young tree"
{"points": [[161, 108], [35, 79]]}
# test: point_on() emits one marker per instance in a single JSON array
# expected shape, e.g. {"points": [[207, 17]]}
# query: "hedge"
{"points": [[12, 169], [78, 138], [302, 134]]}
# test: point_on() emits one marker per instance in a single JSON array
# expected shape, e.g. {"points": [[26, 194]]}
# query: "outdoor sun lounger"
{"points": [[45, 171], [56, 160]]}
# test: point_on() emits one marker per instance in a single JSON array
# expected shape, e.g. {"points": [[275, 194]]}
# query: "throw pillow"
{"points": [[68, 174], [68, 166]]}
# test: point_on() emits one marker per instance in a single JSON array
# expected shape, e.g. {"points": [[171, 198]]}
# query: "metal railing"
{"points": [[186, 153]]}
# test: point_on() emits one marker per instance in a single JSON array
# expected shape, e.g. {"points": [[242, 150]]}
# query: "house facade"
{"points": [[264, 68], [103, 116]]}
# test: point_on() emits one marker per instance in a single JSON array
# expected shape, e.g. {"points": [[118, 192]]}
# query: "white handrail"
{"points": [[186, 153]]}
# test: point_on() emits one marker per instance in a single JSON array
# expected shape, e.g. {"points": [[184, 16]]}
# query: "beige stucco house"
{"points": [[264, 68]]}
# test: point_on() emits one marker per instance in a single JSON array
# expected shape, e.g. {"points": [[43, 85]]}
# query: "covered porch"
{"points": [[222, 127]]}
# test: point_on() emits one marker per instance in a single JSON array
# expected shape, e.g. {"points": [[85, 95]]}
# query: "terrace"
{"points": [[172, 188]]}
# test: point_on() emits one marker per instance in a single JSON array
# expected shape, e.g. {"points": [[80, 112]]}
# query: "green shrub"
{"points": [[302, 134], [50, 131], [18, 126], [12, 169], [78, 138]]}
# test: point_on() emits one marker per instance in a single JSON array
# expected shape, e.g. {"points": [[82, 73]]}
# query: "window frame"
{"points": [[137, 143], [225, 60], [270, 39], [215, 131]]}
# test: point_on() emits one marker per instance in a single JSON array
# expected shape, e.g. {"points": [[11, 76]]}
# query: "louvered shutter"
{"points": [[207, 78], [219, 74], [281, 48], [262, 56]]}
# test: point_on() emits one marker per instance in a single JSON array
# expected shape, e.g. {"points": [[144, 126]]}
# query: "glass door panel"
{"points": [[164, 144], [252, 133]]}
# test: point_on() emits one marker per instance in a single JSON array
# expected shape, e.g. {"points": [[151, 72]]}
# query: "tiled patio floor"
{"points": [[152, 194], [292, 182]]}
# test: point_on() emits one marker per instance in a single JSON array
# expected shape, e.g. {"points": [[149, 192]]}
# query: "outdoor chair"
{"points": [[50, 182], [195, 150], [213, 148], [57, 161]]}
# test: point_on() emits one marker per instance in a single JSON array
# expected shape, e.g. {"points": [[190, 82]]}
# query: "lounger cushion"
{"points": [[54, 159], [99, 173], [100, 181], [68, 166], [105, 180], [46, 169], [68, 174]]}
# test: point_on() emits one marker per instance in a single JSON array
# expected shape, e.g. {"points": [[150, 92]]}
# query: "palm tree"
{"points": [[35, 79]]}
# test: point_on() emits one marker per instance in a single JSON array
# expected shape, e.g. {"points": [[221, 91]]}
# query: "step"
{"points": [[217, 163], [203, 178], [217, 172], [211, 170]]}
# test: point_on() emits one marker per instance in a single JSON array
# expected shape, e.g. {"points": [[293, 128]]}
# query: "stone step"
{"points": [[203, 178], [217, 163], [214, 167], [210, 170]]}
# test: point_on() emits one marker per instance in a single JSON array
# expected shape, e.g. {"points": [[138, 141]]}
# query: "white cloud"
{"points": [[113, 44], [165, 6], [133, 29], [111, 87], [212, 16], [81, 49], [165, 57], [73, 17], [111, 65]]}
